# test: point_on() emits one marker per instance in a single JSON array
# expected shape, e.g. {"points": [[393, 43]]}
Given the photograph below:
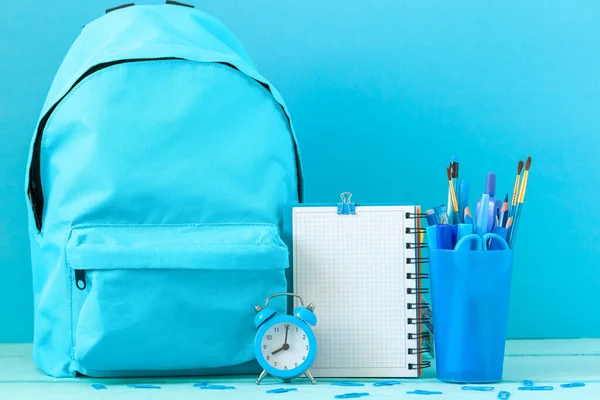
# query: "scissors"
{"points": [[481, 242]]}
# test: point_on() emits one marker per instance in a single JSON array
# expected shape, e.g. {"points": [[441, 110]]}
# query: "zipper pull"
{"points": [[80, 279]]}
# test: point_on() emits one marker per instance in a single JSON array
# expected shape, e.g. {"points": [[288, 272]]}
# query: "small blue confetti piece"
{"points": [[572, 385], [216, 387], [536, 388], [503, 395], [386, 383], [281, 390], [98, 386], [479, 388], [425, 392], [144, 386], [527, 382], [351, 395], [200, 384], [346, 383]]}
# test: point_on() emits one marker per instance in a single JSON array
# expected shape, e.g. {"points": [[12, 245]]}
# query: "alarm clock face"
{"points": [[286, 345]]}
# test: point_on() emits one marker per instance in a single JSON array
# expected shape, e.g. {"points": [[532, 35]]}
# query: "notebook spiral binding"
{"points": [[421, 306]]}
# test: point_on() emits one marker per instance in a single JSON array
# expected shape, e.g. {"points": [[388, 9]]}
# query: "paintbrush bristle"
{"points": [[528, 163], [520, 168], [449, 173]]}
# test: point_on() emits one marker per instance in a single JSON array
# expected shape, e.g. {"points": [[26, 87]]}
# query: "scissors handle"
{"points": [[467, 239], [498, 238], [480, 243]]}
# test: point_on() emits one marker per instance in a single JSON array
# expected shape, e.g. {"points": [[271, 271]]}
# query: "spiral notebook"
{"points": [[361, 268]]}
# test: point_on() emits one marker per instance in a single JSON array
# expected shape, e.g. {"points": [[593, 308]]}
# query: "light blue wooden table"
{"points": [[547, 362]]}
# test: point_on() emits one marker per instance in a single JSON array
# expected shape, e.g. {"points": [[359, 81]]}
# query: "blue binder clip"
{"points": [[346, 207]]}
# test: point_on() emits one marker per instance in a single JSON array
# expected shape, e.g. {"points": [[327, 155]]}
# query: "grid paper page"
{"points": [[352, 267]]}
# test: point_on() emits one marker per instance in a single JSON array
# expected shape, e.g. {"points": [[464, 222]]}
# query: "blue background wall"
{"points": [[394, 88]]}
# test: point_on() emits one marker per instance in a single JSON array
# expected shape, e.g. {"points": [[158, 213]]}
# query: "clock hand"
{"points": [[284, 347]]}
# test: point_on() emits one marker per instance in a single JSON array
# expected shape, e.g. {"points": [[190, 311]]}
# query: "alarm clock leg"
{"points": [[261, 377], [309, 376]]}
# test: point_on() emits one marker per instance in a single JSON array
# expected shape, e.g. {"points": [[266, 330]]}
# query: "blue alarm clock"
{"points": [[285, 345]]}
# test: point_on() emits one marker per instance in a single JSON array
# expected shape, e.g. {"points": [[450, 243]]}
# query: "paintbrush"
{"points": [[451, 192], [513, 202], [452, 216], [520, 202]]}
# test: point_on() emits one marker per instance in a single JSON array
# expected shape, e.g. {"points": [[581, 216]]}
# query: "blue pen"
{"points": [[492, 205], [482, 215]]}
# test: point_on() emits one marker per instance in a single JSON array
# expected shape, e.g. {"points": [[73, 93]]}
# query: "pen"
{"points": [[482, 215]]}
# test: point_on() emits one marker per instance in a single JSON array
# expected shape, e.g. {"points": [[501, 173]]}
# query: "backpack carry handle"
{"points": [[119, 7], [171, 2], [177, 3]]}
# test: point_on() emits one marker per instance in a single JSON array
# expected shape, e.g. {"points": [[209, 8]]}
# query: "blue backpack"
{"points": [[156, 181]]}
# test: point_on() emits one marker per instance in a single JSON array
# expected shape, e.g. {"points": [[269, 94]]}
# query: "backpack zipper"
{"points": [[80, 279], [34, 190]]}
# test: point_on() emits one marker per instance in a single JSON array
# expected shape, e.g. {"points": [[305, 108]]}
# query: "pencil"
{"points": [[452, 192], [520, 201], [513, 202], [503, 213], [468, 218]]}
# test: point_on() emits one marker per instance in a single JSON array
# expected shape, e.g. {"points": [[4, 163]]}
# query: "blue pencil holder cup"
{"points": [[469, 301]]}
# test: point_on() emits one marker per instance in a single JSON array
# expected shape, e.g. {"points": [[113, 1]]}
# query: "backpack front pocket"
{"points": [[169, 298]]}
